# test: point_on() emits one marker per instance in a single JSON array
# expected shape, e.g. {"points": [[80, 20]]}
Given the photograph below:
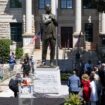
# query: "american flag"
{"points": [[35, 37]]}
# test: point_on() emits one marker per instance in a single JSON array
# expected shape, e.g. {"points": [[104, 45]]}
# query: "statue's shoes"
{"points": [[43, 63], [52, 64]]}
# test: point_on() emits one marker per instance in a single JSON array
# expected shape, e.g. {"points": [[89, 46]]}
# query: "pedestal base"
{"points": [[78, 40], [47, 80], [28, 44]]}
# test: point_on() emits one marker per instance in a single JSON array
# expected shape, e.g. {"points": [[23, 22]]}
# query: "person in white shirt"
{"points": [[94, 94]]}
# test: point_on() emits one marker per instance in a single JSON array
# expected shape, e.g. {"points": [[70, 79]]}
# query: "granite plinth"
{"points": [[47, 80]]}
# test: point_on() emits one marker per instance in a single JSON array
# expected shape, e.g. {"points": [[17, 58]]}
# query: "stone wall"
{"points": [[4, 30], [11, 15], [7, 74]]}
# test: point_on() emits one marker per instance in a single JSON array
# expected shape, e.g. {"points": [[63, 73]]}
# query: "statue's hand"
{"points": [[52, 17]]}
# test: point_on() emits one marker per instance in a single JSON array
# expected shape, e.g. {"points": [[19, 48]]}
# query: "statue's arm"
{"points": [[46, 20], [54, 20]]}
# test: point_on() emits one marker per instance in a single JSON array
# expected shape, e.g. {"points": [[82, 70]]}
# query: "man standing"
{"points": [[49, 24], [32, 63], [74, 83]]}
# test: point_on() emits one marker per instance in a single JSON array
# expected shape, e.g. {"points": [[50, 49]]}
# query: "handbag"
{"points": [[81, 92]]}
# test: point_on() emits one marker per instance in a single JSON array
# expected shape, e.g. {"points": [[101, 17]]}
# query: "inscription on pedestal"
{"points": [[47, 80]]}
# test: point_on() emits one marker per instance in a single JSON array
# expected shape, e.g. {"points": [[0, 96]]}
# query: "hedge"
{"points": [[19, 52], [4, 50]]}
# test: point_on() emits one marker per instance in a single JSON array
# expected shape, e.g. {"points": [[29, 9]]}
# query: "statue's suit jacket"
{"points": [[49, 26]]}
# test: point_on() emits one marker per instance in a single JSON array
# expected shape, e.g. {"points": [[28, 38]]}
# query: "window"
{"points": [[89, 4], [16, 32], [42, 3], [89, 32], [65, 4], [15, 4], [103, 40]]}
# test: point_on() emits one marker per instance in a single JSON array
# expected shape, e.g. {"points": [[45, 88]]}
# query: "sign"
{"points": [[25, 91]]}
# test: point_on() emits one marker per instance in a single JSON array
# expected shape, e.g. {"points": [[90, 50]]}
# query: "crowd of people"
{"points": [[27, 63], [88, 80], [27, 67], [89, 83]]}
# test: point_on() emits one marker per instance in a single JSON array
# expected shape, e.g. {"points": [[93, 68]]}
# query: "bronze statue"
{"points": [[49, 24]]}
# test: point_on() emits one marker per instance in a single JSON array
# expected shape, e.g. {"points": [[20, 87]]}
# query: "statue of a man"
{"points": [[49, 24]]}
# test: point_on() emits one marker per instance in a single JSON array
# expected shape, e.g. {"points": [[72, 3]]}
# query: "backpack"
{"points": [[13, 84]]}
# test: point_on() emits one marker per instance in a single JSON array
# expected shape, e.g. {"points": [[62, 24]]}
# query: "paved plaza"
{"points": [[4, 89]]}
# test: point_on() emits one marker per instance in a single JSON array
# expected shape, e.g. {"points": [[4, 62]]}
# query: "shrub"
{"points": [[73, 99], [64, 76], [4, 49], [19, 53]]}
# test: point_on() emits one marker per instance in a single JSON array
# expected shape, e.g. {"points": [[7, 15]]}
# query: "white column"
{"points": [[28, 45], [54, 7], [54, 4], [78, 10], [103, 23], [78, 19], [28, 16]]}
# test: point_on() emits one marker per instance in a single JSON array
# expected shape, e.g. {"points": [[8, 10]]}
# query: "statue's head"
{"points": [[48, 8]]}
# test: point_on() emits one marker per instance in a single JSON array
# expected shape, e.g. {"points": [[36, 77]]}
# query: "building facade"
{"points": [[79, 22]]}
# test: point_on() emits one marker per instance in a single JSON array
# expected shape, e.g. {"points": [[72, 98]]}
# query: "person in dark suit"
{"points": [[49, 24]]}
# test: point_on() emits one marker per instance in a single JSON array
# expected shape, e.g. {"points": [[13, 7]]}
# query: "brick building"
{"points": [[20, 21]]}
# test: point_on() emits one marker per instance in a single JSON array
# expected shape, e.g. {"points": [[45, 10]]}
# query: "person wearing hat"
{"points": [[48, 25], [86, 88]]}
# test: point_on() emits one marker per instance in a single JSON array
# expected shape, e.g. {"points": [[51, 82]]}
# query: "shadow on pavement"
{"points": [[32, 101]]}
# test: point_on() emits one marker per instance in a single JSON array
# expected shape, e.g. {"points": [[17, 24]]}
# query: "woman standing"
{"points": [[12, 61], [94, 95], [86, 88], [26, 68]]}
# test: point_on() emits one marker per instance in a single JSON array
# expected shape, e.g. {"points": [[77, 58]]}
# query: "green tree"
{"points": [[4, 49], [100, 5], [19, 52]]}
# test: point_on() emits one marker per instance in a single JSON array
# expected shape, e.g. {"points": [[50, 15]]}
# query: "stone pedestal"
{"points": [[13, 48], [47, 80], [78, 40], [28, 44]]}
